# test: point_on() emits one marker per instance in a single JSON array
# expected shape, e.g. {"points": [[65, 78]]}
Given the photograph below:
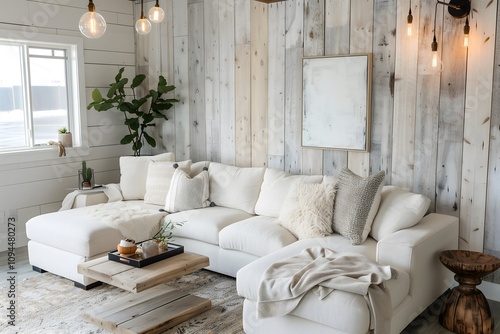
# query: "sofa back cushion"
{"points": [[234, 187], [399, 209], [134, 172], [275, 188], [187, 193]]}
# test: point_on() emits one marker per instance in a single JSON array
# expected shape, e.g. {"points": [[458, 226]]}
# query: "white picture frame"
{"points": [[336, 102]]}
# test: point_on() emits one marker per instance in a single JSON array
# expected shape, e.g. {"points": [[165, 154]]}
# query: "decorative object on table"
{"points": [[140, 113], [85, 177], [65, 137], [147, 253], [466, 309], [164, 235], [336, 102], [127, 247]]}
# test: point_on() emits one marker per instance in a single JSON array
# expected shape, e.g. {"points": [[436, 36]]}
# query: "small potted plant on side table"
{"points": [[85, 177], [65, 137], [164, 235]]}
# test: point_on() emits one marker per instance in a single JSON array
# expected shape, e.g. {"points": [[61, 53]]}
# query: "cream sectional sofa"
{"points": [[242, 236]]}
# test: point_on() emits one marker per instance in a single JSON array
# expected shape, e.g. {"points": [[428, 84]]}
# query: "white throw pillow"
{"points": [[158, 180], [356, 204], [311, 210], [234, 187], [134, 171], [275, 188], [399, 209], [187, 193]]}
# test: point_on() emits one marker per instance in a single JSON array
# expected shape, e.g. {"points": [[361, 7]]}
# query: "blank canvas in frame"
{"points": [[336, 102]]}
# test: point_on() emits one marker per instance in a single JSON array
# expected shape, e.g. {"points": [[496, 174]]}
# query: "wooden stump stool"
{"points": [[466, 310]]}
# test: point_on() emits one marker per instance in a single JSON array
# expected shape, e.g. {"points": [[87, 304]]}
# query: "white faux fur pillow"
{"points": [[308, 210]]}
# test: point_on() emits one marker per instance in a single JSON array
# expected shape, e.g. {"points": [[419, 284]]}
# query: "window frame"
{"points": [[77, 115]]}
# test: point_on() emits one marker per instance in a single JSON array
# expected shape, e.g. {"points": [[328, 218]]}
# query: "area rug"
{"points": [[50, 304]]}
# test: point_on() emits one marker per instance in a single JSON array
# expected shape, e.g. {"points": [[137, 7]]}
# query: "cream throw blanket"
{"points": [[133, 221], [323, 270]]}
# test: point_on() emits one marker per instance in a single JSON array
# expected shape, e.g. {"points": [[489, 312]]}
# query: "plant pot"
{"points": [[85, 184], [66, 139]]}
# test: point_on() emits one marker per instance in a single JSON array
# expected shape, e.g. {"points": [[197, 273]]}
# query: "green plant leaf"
{"points": [[162, 81], [154, 95], [103, 106], [138, 103], [151, 141], [128, 107], [96, 95], [139, 78], [148, 118], [119, 75], [127, 139], [136, 147]]}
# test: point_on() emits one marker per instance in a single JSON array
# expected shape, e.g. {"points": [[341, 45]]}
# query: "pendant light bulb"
{"points": [[409, 20], [436, 63], [466, 33], [92, 24], [143, 26], [156, 14]]}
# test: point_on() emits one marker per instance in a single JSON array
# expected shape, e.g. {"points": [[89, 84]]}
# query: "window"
{"points": [[40, 92]]}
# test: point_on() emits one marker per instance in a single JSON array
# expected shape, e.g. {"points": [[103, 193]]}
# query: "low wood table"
{"points": [[466, 310], [154, 307]]}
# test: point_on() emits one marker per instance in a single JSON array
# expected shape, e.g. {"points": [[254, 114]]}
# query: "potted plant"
{"points": [[164, 235], [85, 177], [64, 136], [140, 113]]}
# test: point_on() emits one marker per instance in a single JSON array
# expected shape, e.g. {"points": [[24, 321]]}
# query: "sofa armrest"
{"points": [[87, 199], [416, 251]]}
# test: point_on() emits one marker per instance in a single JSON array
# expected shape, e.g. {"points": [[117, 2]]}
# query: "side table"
{"points": [[466, 310]]}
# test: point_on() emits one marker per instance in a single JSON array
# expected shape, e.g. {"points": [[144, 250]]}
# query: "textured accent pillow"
{"points": [[160, 174], [274, 189], [356, 204], [134, 171], [234, 187], [308, 211], [187, 193], [399, 209]]}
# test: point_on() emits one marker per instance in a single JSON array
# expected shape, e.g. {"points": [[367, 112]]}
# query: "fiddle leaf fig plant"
{"points": [[141, 112]]}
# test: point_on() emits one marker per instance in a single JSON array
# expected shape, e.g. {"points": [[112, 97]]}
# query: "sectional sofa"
{"points": [[246, 219]]}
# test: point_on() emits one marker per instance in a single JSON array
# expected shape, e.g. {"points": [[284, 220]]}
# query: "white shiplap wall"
{"points": [[31, 188]]}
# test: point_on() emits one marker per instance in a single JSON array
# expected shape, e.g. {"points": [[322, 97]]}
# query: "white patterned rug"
{"points": [[52, 305]]}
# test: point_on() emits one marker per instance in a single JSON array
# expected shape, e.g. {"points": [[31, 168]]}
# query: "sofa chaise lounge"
{"points": [[238, 224]]}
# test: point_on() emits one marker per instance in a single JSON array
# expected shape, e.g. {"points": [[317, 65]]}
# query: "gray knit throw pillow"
{"points": [[356, 204]]}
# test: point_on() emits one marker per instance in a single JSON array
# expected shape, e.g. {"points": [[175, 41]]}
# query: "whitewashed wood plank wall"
{"points": [[430, 133]]}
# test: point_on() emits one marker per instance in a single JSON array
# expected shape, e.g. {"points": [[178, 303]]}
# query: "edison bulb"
{"points": [[408, 30], [156, 14], [92, 25], [143, 26]]}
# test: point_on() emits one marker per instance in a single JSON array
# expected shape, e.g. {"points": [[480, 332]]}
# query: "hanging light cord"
{"points": [[142, 10], [434, 42]]}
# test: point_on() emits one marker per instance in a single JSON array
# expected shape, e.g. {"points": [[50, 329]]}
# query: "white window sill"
{"points": [[40, 154]]}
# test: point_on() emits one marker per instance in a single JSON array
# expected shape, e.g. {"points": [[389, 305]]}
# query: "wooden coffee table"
{"points": [[154, 307]]}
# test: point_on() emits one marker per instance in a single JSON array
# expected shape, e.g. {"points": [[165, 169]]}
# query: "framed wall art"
{"points": [[336, 102]]}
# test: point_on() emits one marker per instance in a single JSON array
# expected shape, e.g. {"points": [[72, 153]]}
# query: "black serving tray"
{"points": [[138, 261]]}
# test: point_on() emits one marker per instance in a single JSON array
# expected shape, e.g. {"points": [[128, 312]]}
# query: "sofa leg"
{"points": [[38, 270], [87, 287]]}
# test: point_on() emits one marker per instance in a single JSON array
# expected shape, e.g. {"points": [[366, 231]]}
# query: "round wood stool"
{"points": [[466, 310]]}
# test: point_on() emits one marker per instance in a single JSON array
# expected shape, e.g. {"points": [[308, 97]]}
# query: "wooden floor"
{"points": [[426, 323]]}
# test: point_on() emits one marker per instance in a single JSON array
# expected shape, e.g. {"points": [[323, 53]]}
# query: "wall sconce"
{"points": [[458, 9], [92, 24]]}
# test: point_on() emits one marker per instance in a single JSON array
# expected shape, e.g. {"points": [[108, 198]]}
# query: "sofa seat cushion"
{"points": [[259, 235], [205, 224], [73, 232], [340, 310]]}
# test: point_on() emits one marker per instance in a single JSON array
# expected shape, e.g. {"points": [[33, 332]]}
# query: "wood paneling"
{"points": [[430, 131]]}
